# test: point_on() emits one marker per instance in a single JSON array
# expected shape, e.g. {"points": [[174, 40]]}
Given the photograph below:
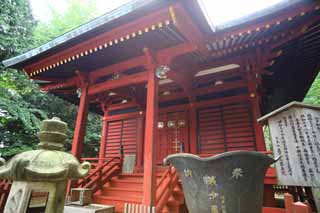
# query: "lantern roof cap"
{"points": [[48, 162]]}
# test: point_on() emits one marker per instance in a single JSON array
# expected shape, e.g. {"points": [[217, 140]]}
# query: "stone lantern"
{"points": [[40, 176]]}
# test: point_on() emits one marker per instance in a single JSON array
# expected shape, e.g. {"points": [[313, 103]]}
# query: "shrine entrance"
{"points": [[172, 134]]}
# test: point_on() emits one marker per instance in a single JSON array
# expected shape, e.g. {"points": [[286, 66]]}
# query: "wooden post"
{"points": [[80, 128], [268, 196], [193, 129], [149, 178], [140, 142], [255, 107], [103, 142]]}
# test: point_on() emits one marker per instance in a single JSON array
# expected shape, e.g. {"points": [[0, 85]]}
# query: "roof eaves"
{"points": [[85, 28]]}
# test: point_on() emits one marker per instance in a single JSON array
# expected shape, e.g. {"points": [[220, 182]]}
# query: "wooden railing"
{"points": [[5, 186], [165, 188], [290, 206], [101, 173]]}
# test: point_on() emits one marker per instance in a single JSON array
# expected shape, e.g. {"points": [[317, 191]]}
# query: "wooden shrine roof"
{"points": [[284, 43]]}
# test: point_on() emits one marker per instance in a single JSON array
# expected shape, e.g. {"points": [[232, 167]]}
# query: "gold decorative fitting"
{"points": [[279, 52], [160, 24], [47, 68], [173, 15], [271, 63]]}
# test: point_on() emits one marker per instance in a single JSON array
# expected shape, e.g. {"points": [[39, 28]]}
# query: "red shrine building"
{"points": [[166, 81]]}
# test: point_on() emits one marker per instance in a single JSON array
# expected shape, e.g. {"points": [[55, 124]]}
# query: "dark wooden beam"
{"points": [[122, 82]]}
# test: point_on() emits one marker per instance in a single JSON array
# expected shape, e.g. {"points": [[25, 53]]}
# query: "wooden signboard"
{"points": [[295, 134]]}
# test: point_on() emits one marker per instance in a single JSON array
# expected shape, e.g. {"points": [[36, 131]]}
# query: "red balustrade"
{"points": [[101, 173]]}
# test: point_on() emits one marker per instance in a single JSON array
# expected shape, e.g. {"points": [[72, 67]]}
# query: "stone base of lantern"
{"points": [[30, 196], [92, 208]]}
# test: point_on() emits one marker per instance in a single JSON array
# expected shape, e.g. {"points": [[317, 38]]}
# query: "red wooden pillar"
{"points": [[268, 196], [255, 107], [103, 142], [80, 128], [140, 142], [149, 178], [193, 128]]}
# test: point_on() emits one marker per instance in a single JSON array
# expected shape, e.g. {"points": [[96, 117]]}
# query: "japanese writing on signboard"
{"points": [[295, 137]]}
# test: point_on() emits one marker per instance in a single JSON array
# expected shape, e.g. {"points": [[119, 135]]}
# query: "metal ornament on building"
{"points": [[181, 123], [44, 171], [116, 76], [79, 92], [171, 124], [229, 182], [160, 125], [161, 71]]}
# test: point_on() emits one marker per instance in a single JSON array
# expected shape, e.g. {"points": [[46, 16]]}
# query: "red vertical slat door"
{"points": [[122, 132], [225, 128], [169, 139]]}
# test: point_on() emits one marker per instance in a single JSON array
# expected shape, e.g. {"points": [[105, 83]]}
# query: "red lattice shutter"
{"points": [[225, 128]]}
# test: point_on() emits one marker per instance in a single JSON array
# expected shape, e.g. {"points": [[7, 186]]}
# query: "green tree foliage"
{"points": [[313, 95], [22, 104], [77, 13]]}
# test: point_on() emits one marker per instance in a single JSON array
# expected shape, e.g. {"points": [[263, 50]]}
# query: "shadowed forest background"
{"points": [[22, 104]]}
